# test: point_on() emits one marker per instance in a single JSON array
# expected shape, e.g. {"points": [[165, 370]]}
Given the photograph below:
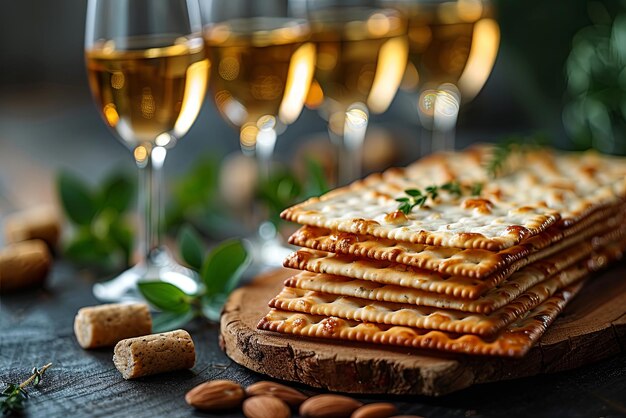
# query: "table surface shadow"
{"points": [[36, 328]]}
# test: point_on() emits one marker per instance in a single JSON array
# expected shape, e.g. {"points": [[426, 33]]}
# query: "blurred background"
{"points": [[559, 71]]}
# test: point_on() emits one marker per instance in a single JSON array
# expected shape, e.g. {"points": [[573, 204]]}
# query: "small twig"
{"points": [[13, 396], [36, 375]]}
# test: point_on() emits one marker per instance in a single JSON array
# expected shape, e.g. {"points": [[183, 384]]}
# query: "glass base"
{"points": [[160, 266]]}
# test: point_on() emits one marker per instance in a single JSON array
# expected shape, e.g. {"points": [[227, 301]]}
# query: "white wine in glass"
{"points": [[452, 50], [262, 68], [148, 73], [262, 73], [361, 58]]}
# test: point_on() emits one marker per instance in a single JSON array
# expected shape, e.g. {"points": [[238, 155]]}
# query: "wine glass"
{"points": [[148, 74], [262, 67], [452, 50], [361, 58]]}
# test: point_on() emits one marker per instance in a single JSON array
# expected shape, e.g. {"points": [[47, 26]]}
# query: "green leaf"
{"points": [[224, 266], [477, 189], [191, 247], [452, 187], [168, 321], [78, 203], [405, 208], [165, 296], [212, 306], [403, 199], [280, 190], [88, 250], [413, 192], [199, 186], [118, 192], [433, 191], [12, 399], [193, 195]]}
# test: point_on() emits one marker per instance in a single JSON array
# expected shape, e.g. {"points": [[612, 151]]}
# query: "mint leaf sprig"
{"points": [[220, 272], [418, 198], [14, 396]]}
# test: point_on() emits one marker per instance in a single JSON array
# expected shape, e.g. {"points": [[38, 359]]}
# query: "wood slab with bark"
{"points": [[591, 328]]}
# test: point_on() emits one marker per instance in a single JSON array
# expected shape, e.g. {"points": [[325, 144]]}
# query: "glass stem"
{"points": [[443, 139], [350, 144], [445, 116], [150, 202], [266, 142]]}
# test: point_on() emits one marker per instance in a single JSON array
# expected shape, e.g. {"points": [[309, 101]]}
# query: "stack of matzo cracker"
{"points": [[482, 274]]}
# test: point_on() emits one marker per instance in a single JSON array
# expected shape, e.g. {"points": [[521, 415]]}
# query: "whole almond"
{"points": [[329, 406], [265, 406], [375, 410], [290, 396], [215, 395]]}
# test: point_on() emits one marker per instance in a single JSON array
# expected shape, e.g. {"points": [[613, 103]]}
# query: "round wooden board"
{"points": [[591, 328]]}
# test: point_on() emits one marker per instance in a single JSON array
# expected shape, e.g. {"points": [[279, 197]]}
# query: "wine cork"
{"points": [[23, 265], [106, 325], [156, 353], [41, 222]]}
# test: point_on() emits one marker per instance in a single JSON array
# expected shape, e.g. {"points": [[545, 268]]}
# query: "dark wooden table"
{"points": [[36, 328]]}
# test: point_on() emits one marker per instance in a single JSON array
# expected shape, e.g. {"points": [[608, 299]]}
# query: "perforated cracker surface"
{"points": [[545, 187]]}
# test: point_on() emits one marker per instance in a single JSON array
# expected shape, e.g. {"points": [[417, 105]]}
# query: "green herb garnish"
{"points": [[283, 188], [102, 235], [14, 396], [477, 189], [503, 150], [417, 197], [220, 271]]}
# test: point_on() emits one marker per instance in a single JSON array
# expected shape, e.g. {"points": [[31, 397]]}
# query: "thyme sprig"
{"points": [[14, 396], [503, 150], [417, 197], [501, 153]]}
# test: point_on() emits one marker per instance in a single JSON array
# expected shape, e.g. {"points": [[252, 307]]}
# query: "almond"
{"points": [[375, 410], [329, 406], [290, 396], [265, 406], [215, 395]]}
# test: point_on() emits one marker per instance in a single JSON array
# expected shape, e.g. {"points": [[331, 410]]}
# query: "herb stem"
{"points": [[34, 375], [417, 197]]}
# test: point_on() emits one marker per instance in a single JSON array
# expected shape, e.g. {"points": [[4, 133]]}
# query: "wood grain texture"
{"points": [[593, 327]]}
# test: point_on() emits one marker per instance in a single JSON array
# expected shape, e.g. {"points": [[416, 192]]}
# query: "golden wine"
{"points": [[361, 57], [150, 93], [451, 42], [262, 70]]}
